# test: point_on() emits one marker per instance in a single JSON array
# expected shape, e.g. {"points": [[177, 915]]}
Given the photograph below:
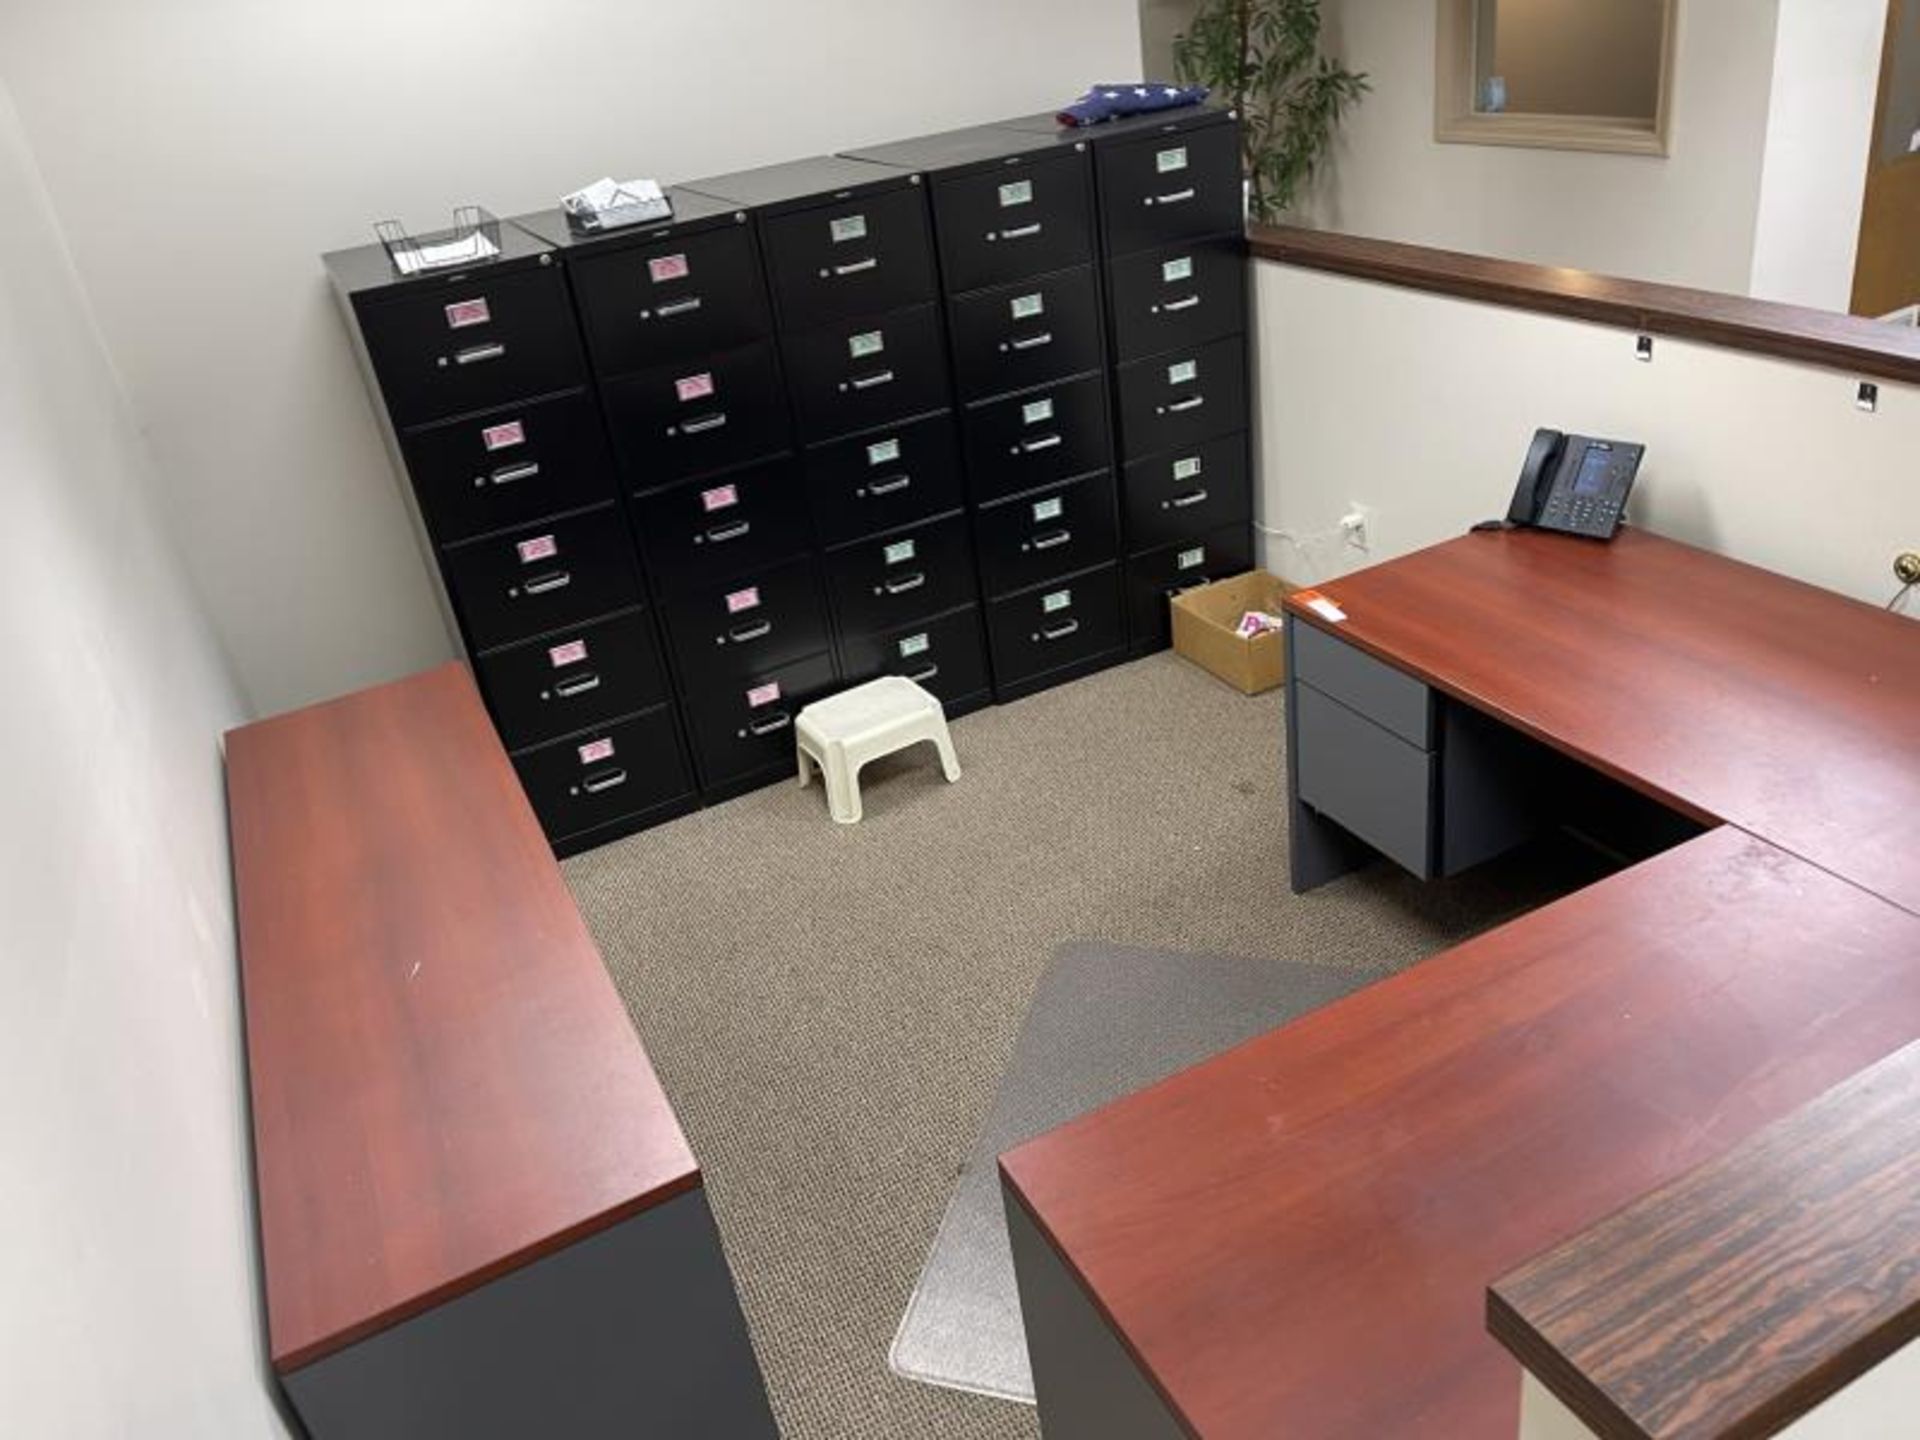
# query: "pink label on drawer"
{"points": [[719, 498], [504, 437], [764, 694], [694, 387], [594, 751], [541, 547], [571, 653], [667, 267], [465, 313], [747, 599]]}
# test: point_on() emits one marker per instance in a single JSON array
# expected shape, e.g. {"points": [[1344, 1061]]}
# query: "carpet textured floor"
{"points": [[830, 1007]]}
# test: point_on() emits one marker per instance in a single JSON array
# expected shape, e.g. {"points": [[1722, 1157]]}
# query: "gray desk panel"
{"points": [[1367, 778], [1383, 694]]}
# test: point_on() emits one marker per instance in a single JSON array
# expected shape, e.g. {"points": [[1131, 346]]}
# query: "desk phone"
{"points": [[1575, 484]]}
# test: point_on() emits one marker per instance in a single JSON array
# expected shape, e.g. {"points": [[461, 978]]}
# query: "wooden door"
{"points": [[1886, 272]]}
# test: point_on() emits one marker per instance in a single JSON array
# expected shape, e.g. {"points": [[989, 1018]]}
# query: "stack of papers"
{"points": [[607, 203]]}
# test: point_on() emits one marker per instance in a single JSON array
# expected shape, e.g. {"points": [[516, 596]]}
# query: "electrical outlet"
{"points": [[1357, 526], [1906, 567]]}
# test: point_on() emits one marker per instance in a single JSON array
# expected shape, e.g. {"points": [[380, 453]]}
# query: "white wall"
{"points": [[1420, 407], [202, 153], [127, 1296]]}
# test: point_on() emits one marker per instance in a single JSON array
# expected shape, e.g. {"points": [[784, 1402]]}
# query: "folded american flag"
{"points": [[1110, 102]]}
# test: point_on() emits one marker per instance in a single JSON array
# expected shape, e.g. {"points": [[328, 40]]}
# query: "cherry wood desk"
{"points": [[478, 1215], [1295, 1239]]}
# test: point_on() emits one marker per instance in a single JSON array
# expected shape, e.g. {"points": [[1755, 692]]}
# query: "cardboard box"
{"points": [[1204, 621]]}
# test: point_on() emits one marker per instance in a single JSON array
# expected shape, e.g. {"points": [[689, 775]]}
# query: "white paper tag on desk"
{"points": [[1320, 605]]}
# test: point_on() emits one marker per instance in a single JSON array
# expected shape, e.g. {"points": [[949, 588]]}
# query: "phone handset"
{"points": [[1536, 471]]}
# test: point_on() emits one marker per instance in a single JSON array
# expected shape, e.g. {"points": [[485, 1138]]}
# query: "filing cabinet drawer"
{"points": [[1183, 396], [572, 679], [1179, 296], [947, 655], [1163, 188], [1184, 492], [1390, 698], [726, 629], [902, 575], [1054, 625], [1026, 441], [1055, 531], [1019, 336], [893, 477], [474, 345], [1365, 778], [1028, 217], [509, 467], [708, 530], [748, 725], [527, 582], [680, 299], [1158, 575], [697, 416], [856, 257], [858, 373], [601, 775]]}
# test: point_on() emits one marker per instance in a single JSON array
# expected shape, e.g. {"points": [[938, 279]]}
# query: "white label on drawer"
{"points": [[1168, 160], [763, 694], [1025, 307], [719, 498], [594, 751], [1035, 411], [663, 268], [1176, 270], [1058, 600], [504, 437], [883, 452], [1184, 372], [899, 552], [1016, 192], [747, 599], [1186, 469], [571, 653], [541, 547], [914, 645], [1191, 559], [694, 387], [1049, 509], [463, 314], [867, 342], [848, 227]]}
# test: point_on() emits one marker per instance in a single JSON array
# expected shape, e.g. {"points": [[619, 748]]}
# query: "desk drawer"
{"points": [[1056, 531], [748, 725], [1163, 188], [1028, 217], [896, 578], [1047, 435], [1019, 336], [1183, 397], [1388, 697], [546, 577], [710, 529], [946, 655], [1055, 625], [474, 346], [571, 679], [1179, 296], [695, 417], [1366, 778], [857, 257], [724, 631], [679, 299], [1181, 493], [1157, 575], [510, 467], [604, 774], [859, 373], [876, 482]]}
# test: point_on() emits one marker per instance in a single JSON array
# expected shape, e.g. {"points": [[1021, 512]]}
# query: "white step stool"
{"points": [[843, 732]]}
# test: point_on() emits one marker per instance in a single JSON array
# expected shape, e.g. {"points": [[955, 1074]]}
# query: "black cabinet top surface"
{"points": [[366, 271], [1159, 122], [799, 183], [975, 147], [692, 212]]}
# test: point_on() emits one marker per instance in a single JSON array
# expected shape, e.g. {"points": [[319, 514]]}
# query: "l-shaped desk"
{"points": [[1296, 1237]]}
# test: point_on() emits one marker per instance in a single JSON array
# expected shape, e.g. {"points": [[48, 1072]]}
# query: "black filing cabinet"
{"points": [[487, 403]]}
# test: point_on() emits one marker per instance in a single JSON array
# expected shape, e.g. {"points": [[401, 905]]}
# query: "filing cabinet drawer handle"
{"points": [[772, 725], [1043, 442], [920, 677], [1192, 402], [1033, 342], [867, 382], [890, 486], [1173, 198], [577, 685], [1193, 497], [676, 307], [720, 534], [542, 584], [1052, 540], [1184, 303], [905, 583], [704, 423], [476, 354], [854, 267], [740, 634], [605, 780], [1021, 232], [1061, 631], [507, 474]]}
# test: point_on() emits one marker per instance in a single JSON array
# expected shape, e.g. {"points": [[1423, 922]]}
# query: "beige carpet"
{"points": [[831, 1007]]}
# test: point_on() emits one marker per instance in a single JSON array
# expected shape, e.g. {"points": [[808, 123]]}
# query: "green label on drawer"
{"points": [[1025, 307], [914, 645], [1034, 411], [867, 342], [899, 551], [1181, 269], [1058, 600], [1174, 159], [883, 452], [1186, 469], [1016, 192], [849, 227], [1183, 373], [1191, 559], [1049, 509]]}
